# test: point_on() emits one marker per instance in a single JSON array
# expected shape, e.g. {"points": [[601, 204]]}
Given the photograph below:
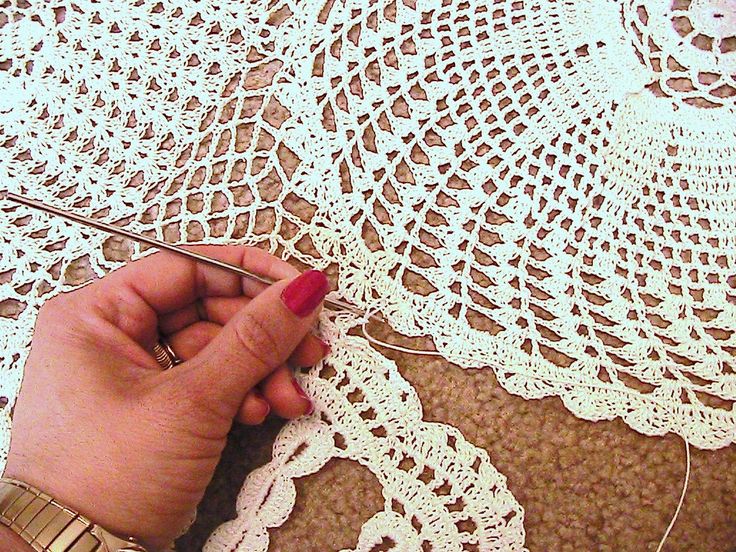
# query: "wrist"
{"points": [[10, 541], [49, 525], [115, 505], [87, 496]]}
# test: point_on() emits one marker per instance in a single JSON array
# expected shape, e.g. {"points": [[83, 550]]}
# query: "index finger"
{"points": [[168, 282]]}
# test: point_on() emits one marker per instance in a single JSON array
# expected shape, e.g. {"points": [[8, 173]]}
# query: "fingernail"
{"points": [[303, 395], [326, 349], [304, 294]]}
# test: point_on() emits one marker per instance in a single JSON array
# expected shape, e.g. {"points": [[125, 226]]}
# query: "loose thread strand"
{"points": [[516, 372], [407, 350], [682, 497]]}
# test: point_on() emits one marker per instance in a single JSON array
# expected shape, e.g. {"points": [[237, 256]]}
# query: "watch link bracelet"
{"points": [[48, 526]]}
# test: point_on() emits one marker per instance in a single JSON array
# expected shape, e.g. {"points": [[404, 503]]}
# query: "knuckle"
{"points": [[258, 341]]}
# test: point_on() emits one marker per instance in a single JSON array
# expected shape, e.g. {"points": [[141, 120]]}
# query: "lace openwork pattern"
{"points": [[440, 492], [544, 188]]}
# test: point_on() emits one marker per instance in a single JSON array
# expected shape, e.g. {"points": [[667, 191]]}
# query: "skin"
{"points": [[102, 428]]}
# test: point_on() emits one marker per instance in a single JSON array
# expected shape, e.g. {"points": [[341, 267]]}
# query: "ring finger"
{"points": [[189, 341], [186, 343]]}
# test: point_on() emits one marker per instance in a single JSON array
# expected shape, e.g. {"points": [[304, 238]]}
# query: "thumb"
{"points": [[256, 340]]}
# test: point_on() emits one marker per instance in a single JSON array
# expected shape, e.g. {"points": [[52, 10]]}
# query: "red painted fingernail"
{"points": [[303, 395], [304, 294], [299, 390], [326, 349]]}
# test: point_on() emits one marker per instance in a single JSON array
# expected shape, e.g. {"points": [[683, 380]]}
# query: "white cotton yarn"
{"points": [[544, 188]]}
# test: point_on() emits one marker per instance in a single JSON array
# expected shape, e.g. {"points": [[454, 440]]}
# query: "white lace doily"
{"points": [[544, 188], [438, 489]]}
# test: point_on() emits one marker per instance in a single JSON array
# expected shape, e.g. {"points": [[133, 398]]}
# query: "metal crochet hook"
{"points": [[112, 229]]}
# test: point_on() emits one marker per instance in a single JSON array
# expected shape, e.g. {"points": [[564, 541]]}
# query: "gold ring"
{"points": [[165, 355]]}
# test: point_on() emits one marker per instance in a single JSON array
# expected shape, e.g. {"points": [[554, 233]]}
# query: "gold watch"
{"points": [[49, 526]]}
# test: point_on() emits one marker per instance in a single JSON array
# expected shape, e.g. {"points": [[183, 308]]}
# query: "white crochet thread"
{"points": [[682, 498], [500, 176], [687, 40], [545, 188], [438, 489]]}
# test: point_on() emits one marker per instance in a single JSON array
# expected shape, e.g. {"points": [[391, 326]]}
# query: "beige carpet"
{"points": [[584, 486]]}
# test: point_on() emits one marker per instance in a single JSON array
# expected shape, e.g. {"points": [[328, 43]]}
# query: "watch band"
{"points": [[49, 526]]}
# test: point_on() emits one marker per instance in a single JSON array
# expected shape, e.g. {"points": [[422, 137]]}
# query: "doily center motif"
{"points": [[689, 46], [715, 19]]}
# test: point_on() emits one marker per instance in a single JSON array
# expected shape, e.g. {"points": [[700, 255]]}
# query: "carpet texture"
{"points": [[584, 486]]}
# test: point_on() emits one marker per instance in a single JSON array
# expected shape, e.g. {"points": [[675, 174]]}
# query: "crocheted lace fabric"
{"points": [[543, 188]]}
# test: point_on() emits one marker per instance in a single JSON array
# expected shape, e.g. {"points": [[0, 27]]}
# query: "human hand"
{"points": [[103, 429]]}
